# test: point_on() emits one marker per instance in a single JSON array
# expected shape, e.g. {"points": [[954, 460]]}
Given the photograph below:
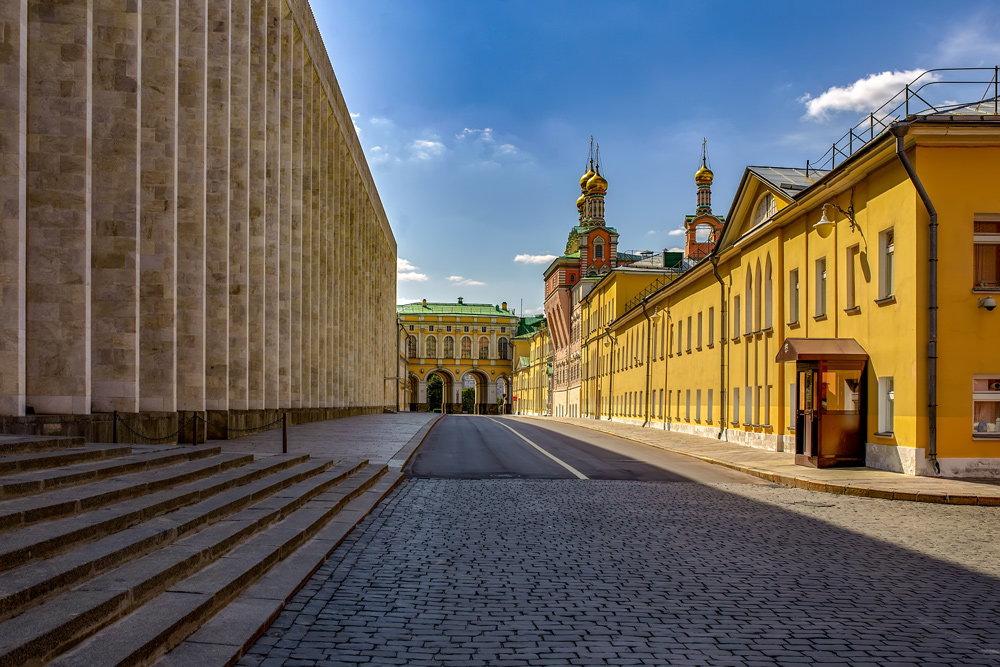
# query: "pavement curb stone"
{"points": [[897, 489]]}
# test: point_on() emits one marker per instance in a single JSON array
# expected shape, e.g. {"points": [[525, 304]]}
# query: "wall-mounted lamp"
{"points": [[825, 226], [988, 302]]}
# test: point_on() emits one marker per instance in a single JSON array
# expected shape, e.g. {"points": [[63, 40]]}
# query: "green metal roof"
{"points": [[529, 325], [480, 309]]}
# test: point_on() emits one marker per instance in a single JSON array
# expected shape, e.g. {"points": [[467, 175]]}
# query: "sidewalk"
{"points": [[780, 468], [382, 438]]}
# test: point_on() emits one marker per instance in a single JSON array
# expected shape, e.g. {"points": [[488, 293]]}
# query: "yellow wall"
{"points": [[531, 382]]}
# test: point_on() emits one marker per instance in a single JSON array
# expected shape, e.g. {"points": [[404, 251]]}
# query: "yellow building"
{"points": [[532, 368], [465, 344], [822, 322]]}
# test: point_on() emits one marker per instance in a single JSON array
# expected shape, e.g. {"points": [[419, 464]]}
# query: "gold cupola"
{"points": [[597, 185], [586, 177], [704, 176], [580, 202]]}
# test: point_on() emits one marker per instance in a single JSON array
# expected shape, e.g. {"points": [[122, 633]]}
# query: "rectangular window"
{"points": [[767, 405], [663, 338], [886, 399], [670, 400], [697, 405], [821, 287], [680, 336], [653, 341], [699, 330], [736, 317], [850, 275], [748, 406], [736, 405], [793, 296], [661, 404], [678, 412], [709, 405], [793, 397], [711, 328], [986, 250], [886, 261], [598, 251], [687, 407], [986, 406], [689, 334]]}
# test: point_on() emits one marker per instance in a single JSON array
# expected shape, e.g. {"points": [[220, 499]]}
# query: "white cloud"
{"points": [[426, 149], [354, 119], [675, 232], [676, 250], [459, 280], [533, 259], [384, 122], [651, 232], [402, 300], [406, 272], [864, 94]]}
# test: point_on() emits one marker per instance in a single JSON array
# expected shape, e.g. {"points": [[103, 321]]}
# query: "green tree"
{"points": [[468, 400], [434, 390]]}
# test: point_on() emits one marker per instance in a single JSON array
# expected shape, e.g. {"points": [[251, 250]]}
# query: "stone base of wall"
{"points": [[913, 461], [182, 427]]}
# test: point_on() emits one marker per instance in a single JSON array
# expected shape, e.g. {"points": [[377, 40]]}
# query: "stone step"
{"points": [[220, 557], [30, 584], [16, 463], [17, 444], [45, 539], [37, 481], [226, 636], [20, 512]]}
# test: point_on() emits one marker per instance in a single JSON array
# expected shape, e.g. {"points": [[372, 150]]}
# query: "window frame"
{"points": [[820, 296]]}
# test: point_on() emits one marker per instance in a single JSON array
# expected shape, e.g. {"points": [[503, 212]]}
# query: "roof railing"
{"points": [[920, 96]]}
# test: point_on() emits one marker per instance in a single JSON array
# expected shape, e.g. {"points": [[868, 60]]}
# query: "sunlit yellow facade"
{"points": [[462, 343], [533, 372], [847, 310]]}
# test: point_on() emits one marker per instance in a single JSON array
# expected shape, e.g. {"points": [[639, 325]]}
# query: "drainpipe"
{"points": [[649, 365], [723, 387], [900, 130]]}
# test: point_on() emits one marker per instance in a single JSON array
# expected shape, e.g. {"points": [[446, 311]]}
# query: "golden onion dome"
{"points": [[580, 202], [704, 176], [586, 177], [597, 185]]}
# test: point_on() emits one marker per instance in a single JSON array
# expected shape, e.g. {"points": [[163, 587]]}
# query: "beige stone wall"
{"points": [[187, 220]]}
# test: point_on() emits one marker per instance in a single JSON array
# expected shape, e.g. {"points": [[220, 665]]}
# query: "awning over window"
{"points": [[814, 349]]}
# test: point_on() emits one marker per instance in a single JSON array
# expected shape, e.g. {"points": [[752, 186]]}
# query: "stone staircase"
{"points": [[132, 555]]}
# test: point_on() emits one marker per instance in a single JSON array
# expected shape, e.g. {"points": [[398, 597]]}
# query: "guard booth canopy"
{"points": [[831, 405]]}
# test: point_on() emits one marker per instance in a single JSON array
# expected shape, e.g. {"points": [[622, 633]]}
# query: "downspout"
{"points": [[611, 371], [723, 387], [900, 130], [649, 364]]}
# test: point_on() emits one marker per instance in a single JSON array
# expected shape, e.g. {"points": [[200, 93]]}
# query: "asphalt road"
{"points": [[481, 447]]}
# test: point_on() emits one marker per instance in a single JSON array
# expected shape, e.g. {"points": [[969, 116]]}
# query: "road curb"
{"points": [[406, 452], [792, 481]]}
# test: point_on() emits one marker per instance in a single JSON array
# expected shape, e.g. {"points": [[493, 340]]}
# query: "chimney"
{"points": [[425, 303], [460, 301], [504, 306]]}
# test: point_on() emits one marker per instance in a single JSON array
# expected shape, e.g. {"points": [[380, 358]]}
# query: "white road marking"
{"points": [[573, 470]]}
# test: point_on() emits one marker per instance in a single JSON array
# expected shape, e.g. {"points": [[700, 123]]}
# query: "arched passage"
{"points": [[436, 392], [484, 400], [412, 392], [504, 390]]}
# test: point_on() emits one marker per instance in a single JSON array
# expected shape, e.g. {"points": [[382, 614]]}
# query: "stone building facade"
{"points": [[187, 220]]}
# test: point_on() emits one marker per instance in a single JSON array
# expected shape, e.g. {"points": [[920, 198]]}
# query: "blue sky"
{"points": [[475, 115]]}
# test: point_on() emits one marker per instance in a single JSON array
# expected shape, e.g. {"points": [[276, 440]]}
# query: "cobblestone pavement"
{"points": [[543, 572]]}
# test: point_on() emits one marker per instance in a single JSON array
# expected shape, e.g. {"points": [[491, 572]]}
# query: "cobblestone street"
{"points": [[549, 572]]}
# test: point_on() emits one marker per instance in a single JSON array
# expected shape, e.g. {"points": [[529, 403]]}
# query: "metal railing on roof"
{"points": [[646, 291], [933, 92]]}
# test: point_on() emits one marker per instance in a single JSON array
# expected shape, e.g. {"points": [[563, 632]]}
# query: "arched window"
{"points": [[466, 347], [503, 349], [766, 207], [757, 295], [598, 248], [449, 347], [484, 347], [411, 347], [768, 297], [748, 303], [430, 347]]}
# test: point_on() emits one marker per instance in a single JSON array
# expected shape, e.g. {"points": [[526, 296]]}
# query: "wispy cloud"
{"points": [[533, 259], [651, 232], [407, 272], [467, 282], [865, 94], [484, 145], [402, 300], [974, 42], [426, 149], [354, 119], [676, 232]]}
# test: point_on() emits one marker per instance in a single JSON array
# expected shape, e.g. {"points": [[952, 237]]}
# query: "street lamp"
{"points": [[825, 226]]}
